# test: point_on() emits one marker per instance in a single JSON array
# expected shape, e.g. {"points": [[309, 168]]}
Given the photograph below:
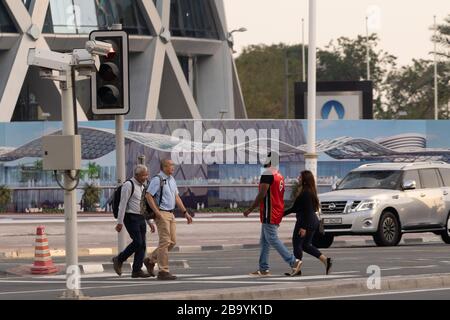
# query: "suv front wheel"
{"points": [[388, 233], [445, 235]]}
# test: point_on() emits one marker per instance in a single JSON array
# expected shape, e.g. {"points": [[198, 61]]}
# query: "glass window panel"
{"points": [[429, 178], [412, 175], [126, 12], [6, 23], [63, 17], [86, 16], [445, 173], [193, 18]]}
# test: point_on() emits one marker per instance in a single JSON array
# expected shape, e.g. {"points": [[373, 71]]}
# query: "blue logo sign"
{"points": [[329, 106]]}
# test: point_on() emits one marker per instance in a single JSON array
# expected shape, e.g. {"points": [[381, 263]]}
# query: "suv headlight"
{"points": [[366, 205]]}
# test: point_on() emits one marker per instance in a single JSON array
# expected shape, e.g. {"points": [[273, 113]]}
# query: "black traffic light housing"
{"points": [[110, 86]]}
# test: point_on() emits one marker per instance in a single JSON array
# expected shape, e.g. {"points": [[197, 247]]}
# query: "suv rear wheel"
{"points": [[388, 233], [445, 235], [322, 241]]}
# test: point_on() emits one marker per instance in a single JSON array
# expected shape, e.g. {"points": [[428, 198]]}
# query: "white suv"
{"points": [[387, 200]]}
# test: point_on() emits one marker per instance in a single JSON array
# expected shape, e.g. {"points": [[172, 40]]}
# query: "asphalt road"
{"points": [[229, 269]]}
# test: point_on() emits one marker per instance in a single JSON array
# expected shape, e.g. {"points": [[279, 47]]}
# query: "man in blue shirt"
{"points": [[163, 204]]}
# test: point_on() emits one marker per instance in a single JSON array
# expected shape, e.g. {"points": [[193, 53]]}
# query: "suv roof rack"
{"points": [[412, 164]]}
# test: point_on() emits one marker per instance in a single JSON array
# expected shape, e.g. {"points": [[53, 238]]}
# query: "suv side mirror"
{"points": [[409, 185], [336, 185]]}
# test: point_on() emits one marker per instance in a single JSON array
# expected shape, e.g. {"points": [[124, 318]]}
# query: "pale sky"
{"points": [[403, 24]]}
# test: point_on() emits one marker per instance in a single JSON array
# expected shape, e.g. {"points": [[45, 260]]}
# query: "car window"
{"points": [[429, 178], [445, 173], [414, 176], [371, 180]]}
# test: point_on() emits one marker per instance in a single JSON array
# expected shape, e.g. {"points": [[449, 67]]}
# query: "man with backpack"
{"points": [[162, 196], [129, 214]]}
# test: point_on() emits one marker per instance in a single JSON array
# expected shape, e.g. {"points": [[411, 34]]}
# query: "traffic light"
{"points": [[110, 85]]}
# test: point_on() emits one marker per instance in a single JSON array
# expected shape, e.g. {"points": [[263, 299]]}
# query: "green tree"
{"points": [[5, 198], [91, 196], [92, 172], [346, 60], [443, 37], [262, 71], [411, 91]]}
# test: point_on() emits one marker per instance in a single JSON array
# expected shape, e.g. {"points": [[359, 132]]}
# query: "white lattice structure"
{"points": [[206, 87]]}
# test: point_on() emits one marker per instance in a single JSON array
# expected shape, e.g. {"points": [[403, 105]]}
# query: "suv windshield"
{"points": [[371, 180]]}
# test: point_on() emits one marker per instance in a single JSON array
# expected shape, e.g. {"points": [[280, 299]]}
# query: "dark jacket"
{"points": [[304, 208]]}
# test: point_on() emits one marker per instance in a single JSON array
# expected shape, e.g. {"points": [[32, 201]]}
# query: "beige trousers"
{"points": [[167, 240]]}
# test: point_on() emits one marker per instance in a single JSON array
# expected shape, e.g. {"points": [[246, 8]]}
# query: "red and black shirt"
{"points": [[272, 207]]}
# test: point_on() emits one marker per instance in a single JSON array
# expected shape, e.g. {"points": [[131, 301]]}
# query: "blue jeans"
{"points": [[269, 237]]}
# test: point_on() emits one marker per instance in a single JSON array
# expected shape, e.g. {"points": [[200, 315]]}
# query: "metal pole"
{"points": [[303, 51], [311, 156], [436, 92], [286, 74], [120, 170], [368, 48], [70, 197], [120, 159]]}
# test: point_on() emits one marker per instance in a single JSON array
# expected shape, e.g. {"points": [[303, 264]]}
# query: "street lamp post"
{"points": [[311, 156], [436, 92], [230, 38], [303, 51], [368, 48]]}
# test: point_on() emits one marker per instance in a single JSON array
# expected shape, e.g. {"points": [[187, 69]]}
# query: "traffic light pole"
{"points": [[120, 169], [73, 290], [120, 159]]}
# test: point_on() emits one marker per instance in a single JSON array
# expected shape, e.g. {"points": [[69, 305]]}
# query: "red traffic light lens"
{"points": [[111, 54]]}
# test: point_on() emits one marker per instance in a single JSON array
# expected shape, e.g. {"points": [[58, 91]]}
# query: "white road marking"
{"points": [[413, 267], [378, 294], [303, 278]]}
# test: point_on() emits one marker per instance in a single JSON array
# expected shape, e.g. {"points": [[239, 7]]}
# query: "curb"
{"points": [[87, 268], [292, 291], [87, 252]]}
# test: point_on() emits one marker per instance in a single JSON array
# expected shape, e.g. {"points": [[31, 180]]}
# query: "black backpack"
{"points": [[115, 200]]}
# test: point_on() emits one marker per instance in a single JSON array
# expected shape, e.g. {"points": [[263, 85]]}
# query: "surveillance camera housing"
{"points": [[49, 59], [100, 48]]}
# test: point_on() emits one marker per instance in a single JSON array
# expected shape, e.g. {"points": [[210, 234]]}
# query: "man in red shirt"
{"points": [[270, 200]]}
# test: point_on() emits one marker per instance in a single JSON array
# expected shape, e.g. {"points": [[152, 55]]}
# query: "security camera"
{"points": [[48, 59], [100, 48]]}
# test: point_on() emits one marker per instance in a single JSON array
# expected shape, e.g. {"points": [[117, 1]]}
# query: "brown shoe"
{"points": [[117, 265], [163, 275], [150, 267]]}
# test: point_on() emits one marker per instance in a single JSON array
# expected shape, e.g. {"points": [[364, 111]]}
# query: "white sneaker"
{"points": [[297, 267]]}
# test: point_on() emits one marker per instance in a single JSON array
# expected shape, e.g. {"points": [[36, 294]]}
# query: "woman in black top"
{"points": [[305, 206]]}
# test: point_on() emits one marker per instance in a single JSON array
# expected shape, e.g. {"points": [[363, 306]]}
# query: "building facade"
{"points": [[186, 73]]}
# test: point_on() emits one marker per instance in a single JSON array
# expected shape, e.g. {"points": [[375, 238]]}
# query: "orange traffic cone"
{"points": [[43, 263]]}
